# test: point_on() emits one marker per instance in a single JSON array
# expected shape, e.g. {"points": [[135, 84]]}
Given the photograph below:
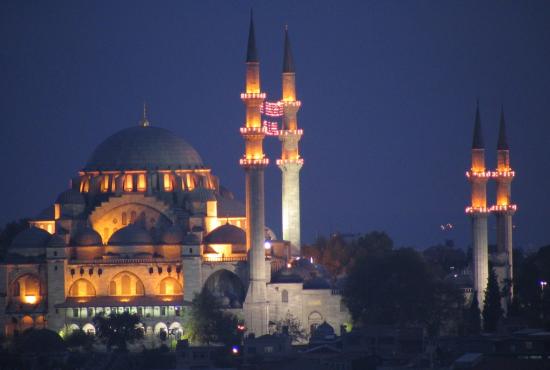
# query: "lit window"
{"points": [[190, 182], [105, 184], [129, 183], [85, 185], [141, 182], [167, 182]]}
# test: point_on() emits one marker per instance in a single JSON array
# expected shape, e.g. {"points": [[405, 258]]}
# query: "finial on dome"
{"points": [[144, 121]]}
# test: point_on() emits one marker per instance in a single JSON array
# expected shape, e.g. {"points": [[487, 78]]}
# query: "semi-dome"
{"points": [[32, 237], [143, 148], [226, 234], [173, 235], [87, 237], [131, 235], [70, 196]]}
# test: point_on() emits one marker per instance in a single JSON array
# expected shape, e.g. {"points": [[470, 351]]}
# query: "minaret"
{"points": [[504, 209], [254, 163], [478, 176], [290, 162]]}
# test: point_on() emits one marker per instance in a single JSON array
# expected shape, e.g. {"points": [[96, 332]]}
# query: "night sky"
{"points": [[388, 92]]}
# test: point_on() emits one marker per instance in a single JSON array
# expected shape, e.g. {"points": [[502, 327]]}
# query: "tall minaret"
{"points": [[478, 176], [504, 209], [254, 163], [290, 162]]}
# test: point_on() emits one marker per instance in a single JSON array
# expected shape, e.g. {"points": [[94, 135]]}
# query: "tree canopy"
{"points": [[492, 310], [398, 287], [118, 329], [207, 323]]}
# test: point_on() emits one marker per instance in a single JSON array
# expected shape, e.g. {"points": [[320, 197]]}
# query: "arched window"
{"points": [[125, 282], [139, 288], [141, 182], [105, 184], [284, 296], [124, 218], [129, 182], [82, 288], [167, 182], [132, 217], [128, 284], [32, 286], [170, 286], [112, 288]]}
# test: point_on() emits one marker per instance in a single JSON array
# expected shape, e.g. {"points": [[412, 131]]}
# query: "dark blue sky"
{"points": [[388, 92]]}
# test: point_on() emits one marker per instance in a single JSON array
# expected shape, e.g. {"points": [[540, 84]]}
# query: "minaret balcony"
{"points": [[478, 210], [253, 96], [291, 103], [504, 208], [254, 131], [250, 162], [298, 132], [479, 174], [282, 162], [503, 174]]}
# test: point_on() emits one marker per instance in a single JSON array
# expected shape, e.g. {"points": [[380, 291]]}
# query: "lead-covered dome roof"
{"points": [[87, 237], [131, 235], [143, 148], [226, 234], [31, 237]]}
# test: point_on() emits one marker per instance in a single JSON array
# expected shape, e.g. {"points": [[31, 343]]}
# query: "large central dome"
{"points": [[143, 148]]}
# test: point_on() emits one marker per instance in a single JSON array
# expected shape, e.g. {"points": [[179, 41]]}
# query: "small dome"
{"points": [[324, 331], [286, 276], [316, 283], [143, 148], [87, 237], [31, 237], [131, 235], [202, 195], [173, 235], [56, 241], [70, 196], [226, 234]]}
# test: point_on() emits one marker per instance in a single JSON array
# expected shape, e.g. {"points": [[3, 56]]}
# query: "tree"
{"points": [[445, 258], [473, 317], [338, 256], [492, 310], [291, 326], [207, 323], [397, 287], [118, 329], [78, 338]]}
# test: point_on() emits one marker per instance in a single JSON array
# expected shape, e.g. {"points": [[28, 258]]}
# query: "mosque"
{"points": [[145, 225]]}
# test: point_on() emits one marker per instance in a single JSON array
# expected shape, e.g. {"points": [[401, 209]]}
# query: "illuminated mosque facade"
{"points": [[146, 225]]}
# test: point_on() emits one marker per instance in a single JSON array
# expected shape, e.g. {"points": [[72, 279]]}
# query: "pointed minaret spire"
{"points": [[144, 121], [251, 52], [288, 61], [477, 143], [502, 139]]}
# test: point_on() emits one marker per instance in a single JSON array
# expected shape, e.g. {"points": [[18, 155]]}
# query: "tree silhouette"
{"points": [[492, 310], [207, 323], [473, 317], [118, 329]]}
